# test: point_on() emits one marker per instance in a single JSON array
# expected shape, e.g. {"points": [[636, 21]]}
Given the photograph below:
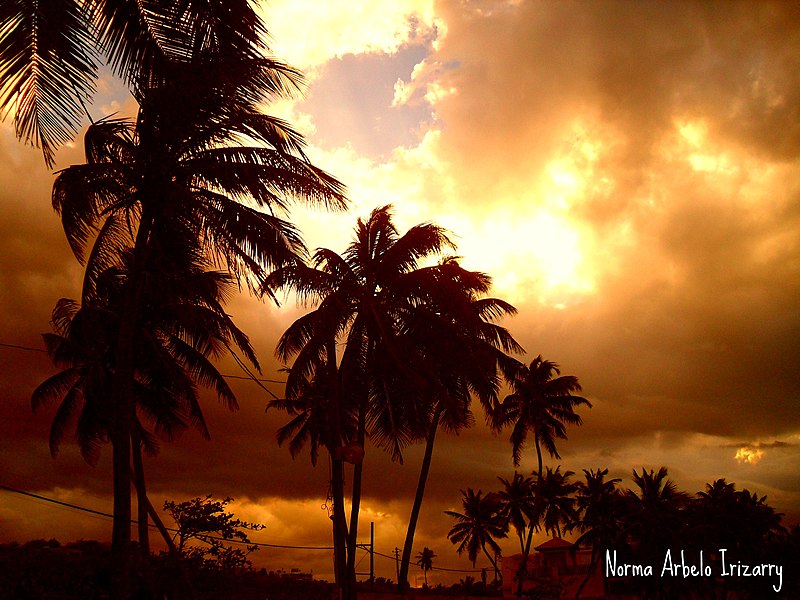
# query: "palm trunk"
{"points": [[522, 572], [337, 477], [355, 506], [592, 564], [123, 415], [497, 574], [142, 512], [141, 496], [402, 580]]}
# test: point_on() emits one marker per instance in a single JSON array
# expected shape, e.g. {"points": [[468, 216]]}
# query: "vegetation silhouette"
{"points": [[417, 341], [425, 561], [50, 52], [544, 405], [179, 182], [481, 523]]}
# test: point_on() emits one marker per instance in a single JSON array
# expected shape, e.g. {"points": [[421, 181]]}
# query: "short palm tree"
{"points": [[519, 507], [600, 514], [480, 524], [185, 326], [425, 561]]}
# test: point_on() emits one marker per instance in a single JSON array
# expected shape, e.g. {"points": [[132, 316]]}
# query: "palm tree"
{"points": [[480, 524], [543, 405], [599, 515], [50, 51], [465, 352], [655, 521], [425, 561], [519, 507], [180, 181], [183, 327], [555, 499], [369, 299]]}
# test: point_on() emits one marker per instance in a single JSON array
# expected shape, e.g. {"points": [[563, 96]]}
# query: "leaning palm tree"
{"points": [[466, 353], [425, 561], [480, 524], [50, 51]]}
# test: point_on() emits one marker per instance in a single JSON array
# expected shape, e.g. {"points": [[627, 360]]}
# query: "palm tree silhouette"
{"points": [[368, 299], [600, 514], [184, 326], [542, 405], [555, 499], [464, 353], [178, 180], [480, 524], [425, 561], [50, 53], [519, 506], [654, 520]]}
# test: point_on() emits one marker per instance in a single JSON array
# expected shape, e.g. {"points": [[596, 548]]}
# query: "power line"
{"points": [[211, 537], [248, 378], [134, 521]]}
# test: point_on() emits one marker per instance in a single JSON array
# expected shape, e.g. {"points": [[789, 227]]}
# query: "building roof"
{"points": [[554, 544]]}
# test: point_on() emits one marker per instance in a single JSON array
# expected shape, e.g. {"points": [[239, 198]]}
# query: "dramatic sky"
{"points": [[628, 173]]}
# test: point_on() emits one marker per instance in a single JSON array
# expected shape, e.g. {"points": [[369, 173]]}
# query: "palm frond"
{"points": [[48, 65]]}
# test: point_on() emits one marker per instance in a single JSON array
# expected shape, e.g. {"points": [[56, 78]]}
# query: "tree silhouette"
{"points": [[183, 327], [480, 524], [464, 353], [519, 507], [50, 51], [425, 561], [600, 514], [542, 405], [371, 299], [178, 183]]}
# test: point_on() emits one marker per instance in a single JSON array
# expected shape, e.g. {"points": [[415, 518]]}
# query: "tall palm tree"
{"points": [[367, 301], [480, 524], [50, 51], [179, 183], [425, 561]]}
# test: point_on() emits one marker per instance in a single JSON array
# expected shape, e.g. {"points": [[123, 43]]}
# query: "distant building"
{"points": [[555, 564]]}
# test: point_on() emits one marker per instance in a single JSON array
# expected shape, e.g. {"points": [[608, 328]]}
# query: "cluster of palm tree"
{"points": [[641, 523], [166, 212], [393, 350]]}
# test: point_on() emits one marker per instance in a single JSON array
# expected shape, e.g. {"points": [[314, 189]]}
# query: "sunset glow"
{"points": [[627, 173]]}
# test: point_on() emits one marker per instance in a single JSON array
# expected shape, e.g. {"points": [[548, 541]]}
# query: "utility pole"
{"points": [[372, 555], [397, 562]]}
